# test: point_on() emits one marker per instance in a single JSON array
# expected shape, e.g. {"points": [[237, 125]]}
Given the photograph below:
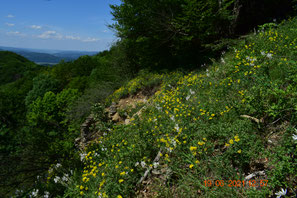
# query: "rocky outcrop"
{"points": [[112, 114], [84, 132]]}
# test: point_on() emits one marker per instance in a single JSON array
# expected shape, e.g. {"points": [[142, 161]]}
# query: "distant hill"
{"points": [[47, 57], [14, 67]]}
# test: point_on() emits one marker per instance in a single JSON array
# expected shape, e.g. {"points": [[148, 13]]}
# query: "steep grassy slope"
{"points": [[205, 133]]}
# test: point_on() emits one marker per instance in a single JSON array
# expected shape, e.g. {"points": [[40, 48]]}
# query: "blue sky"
{"points": [[56, 24]]}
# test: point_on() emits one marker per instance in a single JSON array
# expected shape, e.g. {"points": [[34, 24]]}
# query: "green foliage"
{"points": [[171, 34], [284, 162], [144, 81], [14, 67], [64, 72], [41, 84], [50, 131]]}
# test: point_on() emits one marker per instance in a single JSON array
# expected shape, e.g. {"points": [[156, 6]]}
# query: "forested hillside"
{"points": [[195, 99], [41, 109], [14, 67]]}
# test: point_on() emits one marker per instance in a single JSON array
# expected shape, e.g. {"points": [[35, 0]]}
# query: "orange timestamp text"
{"points": [[236, 183]]}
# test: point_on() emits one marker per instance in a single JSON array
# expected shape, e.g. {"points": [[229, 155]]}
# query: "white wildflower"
{"points": [[294, 137], [192, 92], [172, 118], [173, 142], [82, 156], [222, 60], [57, 179], [18, 192], [281, 193], [46, 195], [251, 59], [188, 97], [104, 134], [58, 165], [65, 177], [263, 53], [143, 164], [159, 108], [207, 73], [35, 193], [136, 164], [269, 55], [96, 155], [169, 150], [156, 164], [176, 127]]}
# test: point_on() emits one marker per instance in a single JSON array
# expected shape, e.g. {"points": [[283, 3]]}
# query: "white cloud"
{"points": [[89, 39], [105, 31], [9, 24], [10, 16], [73, 37], [36, 27], [50, 35], [15, 33]]}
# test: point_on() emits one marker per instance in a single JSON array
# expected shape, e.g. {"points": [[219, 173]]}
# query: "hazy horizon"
{"points": [[47, 50]]}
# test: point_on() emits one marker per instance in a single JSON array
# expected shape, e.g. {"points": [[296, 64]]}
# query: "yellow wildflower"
{"points": [[193, 148], [122, 173]]}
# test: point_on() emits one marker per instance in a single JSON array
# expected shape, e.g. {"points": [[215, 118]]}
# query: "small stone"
{"points": [[116, 117], [127, 121]]}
